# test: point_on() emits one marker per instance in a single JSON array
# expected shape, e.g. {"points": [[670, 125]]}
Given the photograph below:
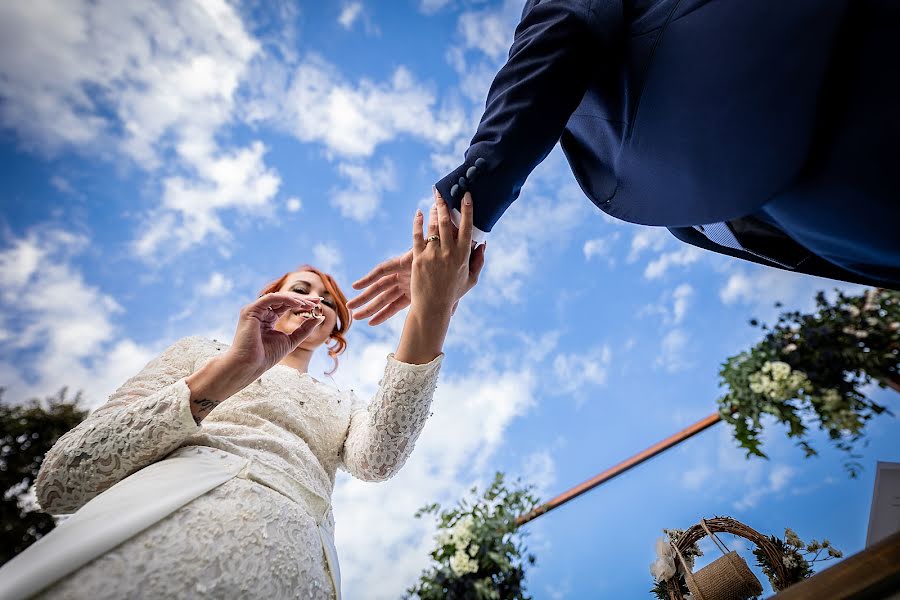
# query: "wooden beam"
{"points": [[873, 574], [620, 468]]}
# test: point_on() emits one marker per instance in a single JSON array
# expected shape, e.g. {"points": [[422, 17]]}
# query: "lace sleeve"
{"points": [[382, 435], [143, 421]]}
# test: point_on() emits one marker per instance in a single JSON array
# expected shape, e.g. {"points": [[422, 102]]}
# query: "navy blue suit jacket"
{"points": [[677, 112]]}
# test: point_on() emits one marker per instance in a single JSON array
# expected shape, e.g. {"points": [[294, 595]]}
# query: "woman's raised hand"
{"points": [[444, 266], [257, 345]]}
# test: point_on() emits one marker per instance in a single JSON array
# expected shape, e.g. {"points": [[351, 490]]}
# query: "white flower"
{"points": [[473, 549], [854, 312], [780, 370], [792, 538], [461, 563], [789, 561], [662, 568], [664, 548], [444, 537], [790, 348]]}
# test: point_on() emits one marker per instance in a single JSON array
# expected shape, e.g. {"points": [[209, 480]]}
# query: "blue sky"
{"points": [[161, 163]]}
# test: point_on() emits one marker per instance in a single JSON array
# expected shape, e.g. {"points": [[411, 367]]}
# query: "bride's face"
{"points": [[307, 283]]}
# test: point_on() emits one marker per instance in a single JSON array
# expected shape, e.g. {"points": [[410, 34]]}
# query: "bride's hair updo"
{"points": [[344, 318]]}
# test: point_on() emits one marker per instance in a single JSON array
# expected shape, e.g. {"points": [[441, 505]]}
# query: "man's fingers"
{"points": [[372, 291], [381, 269], [445, 224], [465, 223], [389, 311], [381, 301], [418, 238]]}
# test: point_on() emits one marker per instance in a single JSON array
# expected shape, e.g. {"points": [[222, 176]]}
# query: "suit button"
{"points": [[455, 192], [472, 173], [463, 184], [480, 162]]}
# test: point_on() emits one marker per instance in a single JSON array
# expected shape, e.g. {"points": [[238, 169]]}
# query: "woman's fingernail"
{"points": [[418, 212], [467, 199]]}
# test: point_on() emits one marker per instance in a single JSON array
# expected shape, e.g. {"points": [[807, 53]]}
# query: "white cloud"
{"points": [[779, 476], [349, 14], [539, 470], [527, 229], [327, 256], [64, 320], [293, 204], [480, 47], [217, 285], [601, 247], [760, 287], [694, 478], [130, 73], [191, 207], [361, 198], [648, 238], [315, 103], [575, 371], [674, 351], [432, 6], [63, 185], [681, 300], [155, 84], [682, 257], [724, 471], [672, 306]]}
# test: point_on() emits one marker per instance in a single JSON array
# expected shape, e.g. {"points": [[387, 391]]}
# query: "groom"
{"points": [[761, 129]]}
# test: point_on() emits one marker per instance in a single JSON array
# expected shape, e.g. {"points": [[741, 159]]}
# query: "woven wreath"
{"points": [[715, 525]]}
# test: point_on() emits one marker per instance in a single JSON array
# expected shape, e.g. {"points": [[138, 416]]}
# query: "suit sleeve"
{"points": [[528, 105]]}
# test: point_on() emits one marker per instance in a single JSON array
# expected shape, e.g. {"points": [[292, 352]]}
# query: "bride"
{"points": [[210, 472]]}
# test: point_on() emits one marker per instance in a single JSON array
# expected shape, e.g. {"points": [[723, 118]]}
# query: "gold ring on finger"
{"points": [[432, 238]]}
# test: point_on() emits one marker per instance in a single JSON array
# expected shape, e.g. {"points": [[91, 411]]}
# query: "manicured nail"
{"points": [[467, 199]]}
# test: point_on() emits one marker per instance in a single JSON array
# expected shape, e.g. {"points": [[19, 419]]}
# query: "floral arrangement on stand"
{"points": [[784, 561], [812, 368], [480, 551]]}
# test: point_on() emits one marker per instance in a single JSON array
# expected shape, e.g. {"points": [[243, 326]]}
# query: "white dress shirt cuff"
{"points": [[478, 236]]}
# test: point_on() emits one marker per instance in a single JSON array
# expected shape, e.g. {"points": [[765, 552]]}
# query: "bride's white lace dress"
{"points": [[266, 533]]}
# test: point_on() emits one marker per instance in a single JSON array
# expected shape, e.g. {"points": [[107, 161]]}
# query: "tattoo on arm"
{"points": [[205, 407]]}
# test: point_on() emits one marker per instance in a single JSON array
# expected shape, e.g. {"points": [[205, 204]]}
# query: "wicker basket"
{"points": [[728, 577]]}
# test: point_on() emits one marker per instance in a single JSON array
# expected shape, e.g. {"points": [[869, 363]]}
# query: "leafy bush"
{"points": [[27, 432], [480, 551]]}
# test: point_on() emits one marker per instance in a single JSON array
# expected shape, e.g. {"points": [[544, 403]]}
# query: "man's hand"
{"points": [[386, 287]]}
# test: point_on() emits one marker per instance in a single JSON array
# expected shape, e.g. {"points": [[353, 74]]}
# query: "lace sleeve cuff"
{"points": [[382, 434]]}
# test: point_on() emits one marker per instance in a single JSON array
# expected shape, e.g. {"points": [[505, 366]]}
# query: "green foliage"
{"points": [[797, 557], [480, 551], [27, 432], [810, 369]]}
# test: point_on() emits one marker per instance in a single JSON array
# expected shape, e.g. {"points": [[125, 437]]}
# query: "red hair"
{"points": [[344, 317]]}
